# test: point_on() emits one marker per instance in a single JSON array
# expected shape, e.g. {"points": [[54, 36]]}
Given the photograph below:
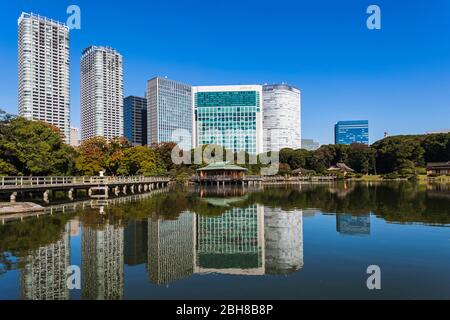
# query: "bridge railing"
{"points": [[62, 181]]}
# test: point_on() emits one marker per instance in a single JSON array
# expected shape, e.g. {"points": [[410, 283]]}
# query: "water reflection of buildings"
{"points": [[353, 225], [44, 275], [136, 240], [232, 243], [102, 263], [170, 249], [284, 240]]}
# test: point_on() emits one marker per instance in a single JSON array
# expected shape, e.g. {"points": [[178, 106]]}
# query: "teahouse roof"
{"points": [[341, 167], [222, 166], [438, 165]]}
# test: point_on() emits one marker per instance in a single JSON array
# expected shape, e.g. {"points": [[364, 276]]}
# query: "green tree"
{"points": [[140, 161], [361, 158], [34, 148], [397, 153]]}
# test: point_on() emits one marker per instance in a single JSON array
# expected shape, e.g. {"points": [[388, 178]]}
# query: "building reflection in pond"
{"points": [[170, 249], [136, 243], [348, 224], [102, 262], [44, 275], [283, 241], [232, 243]]}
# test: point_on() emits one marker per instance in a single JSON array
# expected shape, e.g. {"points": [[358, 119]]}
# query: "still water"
{"points": [[294, 242]]}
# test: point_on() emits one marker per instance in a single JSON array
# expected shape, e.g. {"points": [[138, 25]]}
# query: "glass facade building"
{"points": [[348, 132], [135, 120], [169, 112], [229, 116]]}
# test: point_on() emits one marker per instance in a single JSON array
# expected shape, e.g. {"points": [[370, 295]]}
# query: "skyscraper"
{"points": [[169, 109], [282, 117], [101, 93], [74, 137], [230, 116], [44, 71], [348, 132], [310, 144], [135, 120]]}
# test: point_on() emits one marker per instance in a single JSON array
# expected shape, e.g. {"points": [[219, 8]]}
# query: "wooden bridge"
{"points": [[96, 187]]}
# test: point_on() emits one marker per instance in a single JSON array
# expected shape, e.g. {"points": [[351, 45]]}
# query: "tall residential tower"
{"points": [[282, 117], [44, 79], [101, 93]]}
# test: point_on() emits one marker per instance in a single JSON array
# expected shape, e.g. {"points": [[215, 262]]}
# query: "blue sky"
{"points": [[397, 77]]}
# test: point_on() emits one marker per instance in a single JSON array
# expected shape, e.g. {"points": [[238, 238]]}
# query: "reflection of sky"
{"points": [[75, 259]]}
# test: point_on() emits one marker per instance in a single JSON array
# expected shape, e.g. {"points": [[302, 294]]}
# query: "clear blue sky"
{"points": [[398, 78]]}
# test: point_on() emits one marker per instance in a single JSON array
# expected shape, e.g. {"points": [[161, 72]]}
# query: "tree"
{"points": [[437, 147], [396, 153], [361, 158], [91, 159], [140, 161], [34, 148], [164, 152]]}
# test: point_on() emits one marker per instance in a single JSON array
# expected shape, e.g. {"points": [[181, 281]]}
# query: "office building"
{"points": [[229, 116], [135, 120], [310, 144], [44, 71], [282, 117], [348, 132], [169, 112], [101, 93], [74, 137]]}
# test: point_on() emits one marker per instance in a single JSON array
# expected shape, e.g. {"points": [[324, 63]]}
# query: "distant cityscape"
{"points": [[252, 118]]}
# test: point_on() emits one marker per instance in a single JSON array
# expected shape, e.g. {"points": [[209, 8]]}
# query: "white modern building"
{"points": [[101, 93], [169, 112], [44, 71], [282, 117], [229, 116]]}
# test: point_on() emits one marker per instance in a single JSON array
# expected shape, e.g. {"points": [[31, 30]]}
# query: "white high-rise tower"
{"points": [[282, 117], [101, 93], [44, 71]]}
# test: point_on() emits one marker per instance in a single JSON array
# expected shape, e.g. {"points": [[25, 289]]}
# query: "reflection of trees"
{"points": [[396, 202], [404, 202], [19, 238]]}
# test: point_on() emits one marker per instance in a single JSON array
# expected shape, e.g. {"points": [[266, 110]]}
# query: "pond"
{"points": [[308, 241]]}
